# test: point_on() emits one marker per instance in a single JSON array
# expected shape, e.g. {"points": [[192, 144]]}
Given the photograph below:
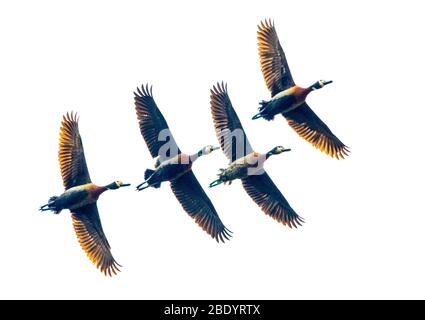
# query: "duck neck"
{"points": [[269, 154], [196, 156], [302, 93], [309, 89], [110, 186], [98, 190]]}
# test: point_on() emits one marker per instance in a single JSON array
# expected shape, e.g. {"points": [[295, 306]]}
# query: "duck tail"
{"points": [[156, 185], [262, 111], [216, 183], [148, 173], [146, 184], [257, 116], [263, 105], [51, 205], [52, 199]]}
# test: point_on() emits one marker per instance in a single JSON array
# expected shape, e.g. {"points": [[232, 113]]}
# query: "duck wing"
{"points": [[228, 128], [309, 126], [268, 197], [273, 62], [87, 226], [72, 161], [196, 203], [153, 127]]}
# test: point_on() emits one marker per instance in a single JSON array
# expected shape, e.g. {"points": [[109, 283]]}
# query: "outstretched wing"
{"points": [[196, 203], [309, 126], [71, 153], [90, 234], [228, 128], [153, 127], [273, 62], [268, 197]]}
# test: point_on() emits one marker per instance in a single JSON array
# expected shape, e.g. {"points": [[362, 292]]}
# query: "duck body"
{"points": [[242, 167], [75, 197], [283, 102], [250, 165], [168, 170]]}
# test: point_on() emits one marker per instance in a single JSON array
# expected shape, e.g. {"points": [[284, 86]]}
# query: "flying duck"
{"points": [[174, 166], [245, 163], [288, 99], [80, 197]]}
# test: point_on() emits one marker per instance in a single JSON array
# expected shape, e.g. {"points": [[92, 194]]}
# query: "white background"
{"points": [[364, 232]]}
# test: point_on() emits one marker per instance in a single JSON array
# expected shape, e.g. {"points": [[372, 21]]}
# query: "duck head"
{"points": [[116, 185], [277, 150], [320, 84], [207, 150]]}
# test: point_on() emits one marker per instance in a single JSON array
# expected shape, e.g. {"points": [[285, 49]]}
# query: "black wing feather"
{"points": [[228, 128], [309, 126], [153, 125], [273, 62], [196, 203], [92, 239], [72, 161], [266, 195]]}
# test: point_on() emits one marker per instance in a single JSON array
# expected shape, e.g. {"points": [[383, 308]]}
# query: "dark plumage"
{"points": [[288, 99], [245, 164], [80, 197], [174, 166]]}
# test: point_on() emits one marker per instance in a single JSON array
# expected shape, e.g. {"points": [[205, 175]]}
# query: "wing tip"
{"points": [[320, 137], [295, 221], [266, 23], [143, 91], [291, 219], [286, 217], [339, 152], [110, 270], [223, 236], [70, 117], [220, 88]]}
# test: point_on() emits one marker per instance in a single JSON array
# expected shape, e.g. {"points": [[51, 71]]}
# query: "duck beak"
{"points": [[327, 82], [216, 148], [125, 184], [286, 149]]}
